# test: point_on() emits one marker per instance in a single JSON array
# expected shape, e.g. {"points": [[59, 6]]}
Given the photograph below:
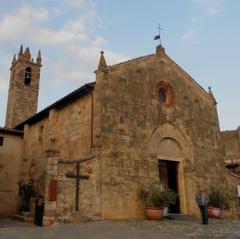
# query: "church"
{"points": [[88, 153]]}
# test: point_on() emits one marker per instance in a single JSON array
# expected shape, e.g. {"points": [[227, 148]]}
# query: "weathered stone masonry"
{"points": [[136, 115], [23, 88], [65, 129], [10, 159], [134, 124]]}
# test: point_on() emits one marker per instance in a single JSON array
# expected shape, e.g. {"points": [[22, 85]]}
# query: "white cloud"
{"points": [[114, 58], [90, 55], [212, 6], [193, 20], [74, 3], [3, 84], [73, 36], [25, 24], [214, 9], [67, 36], [64, 76], [42, 15], [189, 37], [100, 41], [34, 25], [72, 76], [12, 27], [55, 11], [4, 76], [21, 24], [81, 63], [80, 76], [63, 36], [27, 12]]}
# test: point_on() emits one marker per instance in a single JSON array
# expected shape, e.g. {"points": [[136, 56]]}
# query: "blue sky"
{"points": [[202, 36]]}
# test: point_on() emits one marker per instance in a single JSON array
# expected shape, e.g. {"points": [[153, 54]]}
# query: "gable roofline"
{"points": [[11, 131], [231, 131], [190, 77], [131, 61], [151, 56], [80, 92]]}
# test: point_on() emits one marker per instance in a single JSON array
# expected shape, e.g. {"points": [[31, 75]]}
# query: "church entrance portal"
{"points": [[168, 174]]}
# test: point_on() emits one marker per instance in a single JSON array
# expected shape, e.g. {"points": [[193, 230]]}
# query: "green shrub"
{"points": [[153, 194], [219, 197]]}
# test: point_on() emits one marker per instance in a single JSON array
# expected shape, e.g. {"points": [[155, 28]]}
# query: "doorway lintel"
{"points": [[176, 159]]}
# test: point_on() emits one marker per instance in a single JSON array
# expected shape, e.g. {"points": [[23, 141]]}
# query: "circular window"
{"points": [[162, 95], [165, 93]]}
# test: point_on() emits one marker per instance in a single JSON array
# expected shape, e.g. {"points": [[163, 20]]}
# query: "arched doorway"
{"points": [[169, 162], [173, 156]]}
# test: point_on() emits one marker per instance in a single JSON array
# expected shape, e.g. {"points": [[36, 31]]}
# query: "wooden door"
{"points": [[163, 172]]}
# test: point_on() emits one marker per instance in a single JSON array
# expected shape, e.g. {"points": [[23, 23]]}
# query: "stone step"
{"points": [[76, 216], [22, 218], [181, 217]]}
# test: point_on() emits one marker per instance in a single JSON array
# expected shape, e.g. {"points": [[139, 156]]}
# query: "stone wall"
{"points": [[63, 207], [233, 181], [10, 157], [68, 131], [134, 123], [231, 142]]}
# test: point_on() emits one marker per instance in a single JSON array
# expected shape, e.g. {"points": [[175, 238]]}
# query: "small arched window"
{"points": [[28, 76]]}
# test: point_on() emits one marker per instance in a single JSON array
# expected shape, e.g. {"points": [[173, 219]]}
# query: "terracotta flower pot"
{"points": [[154, 213], [214, 212]]}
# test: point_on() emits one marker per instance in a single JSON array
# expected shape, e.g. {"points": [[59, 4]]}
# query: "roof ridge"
{"points": [[191, 78], [8, 130], [58, 104], [131, 61]]}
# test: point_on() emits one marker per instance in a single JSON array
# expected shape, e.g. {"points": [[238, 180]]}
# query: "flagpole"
{"points": [[160, 34], [159, 28]]}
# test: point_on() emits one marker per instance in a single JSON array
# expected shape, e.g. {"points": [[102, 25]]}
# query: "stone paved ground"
{"points": [[166, 229]]}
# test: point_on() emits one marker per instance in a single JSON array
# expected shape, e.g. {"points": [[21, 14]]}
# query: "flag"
{"points": [[157, 37]]}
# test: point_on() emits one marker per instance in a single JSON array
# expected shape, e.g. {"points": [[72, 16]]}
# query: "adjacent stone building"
{"points": [[231, 142], [10, 158], [140, 120]]}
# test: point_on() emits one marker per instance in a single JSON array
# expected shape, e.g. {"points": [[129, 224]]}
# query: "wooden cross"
{"points": [[78, 177]]}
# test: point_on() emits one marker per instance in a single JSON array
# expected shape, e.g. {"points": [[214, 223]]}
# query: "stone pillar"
{"points": [[97, 150], [50, 202]]}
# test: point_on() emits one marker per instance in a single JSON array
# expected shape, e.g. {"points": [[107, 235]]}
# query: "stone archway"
{"points": [[169, 131], [169, 145]]}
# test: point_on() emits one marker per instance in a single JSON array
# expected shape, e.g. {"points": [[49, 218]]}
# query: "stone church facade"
{"points": [[140, 120]]}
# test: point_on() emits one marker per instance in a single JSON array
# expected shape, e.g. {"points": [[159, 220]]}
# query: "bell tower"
{"points": [[23, 88]]}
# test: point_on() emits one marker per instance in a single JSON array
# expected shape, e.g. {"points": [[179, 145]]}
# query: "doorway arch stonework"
{"points": [[169, 143]]}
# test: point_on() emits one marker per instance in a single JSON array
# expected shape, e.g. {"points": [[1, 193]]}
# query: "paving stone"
{"points": [[141, 229]]}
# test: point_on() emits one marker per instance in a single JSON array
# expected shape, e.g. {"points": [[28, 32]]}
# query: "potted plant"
{"points": [[156, 197], [218, 200], [26, 191]]}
